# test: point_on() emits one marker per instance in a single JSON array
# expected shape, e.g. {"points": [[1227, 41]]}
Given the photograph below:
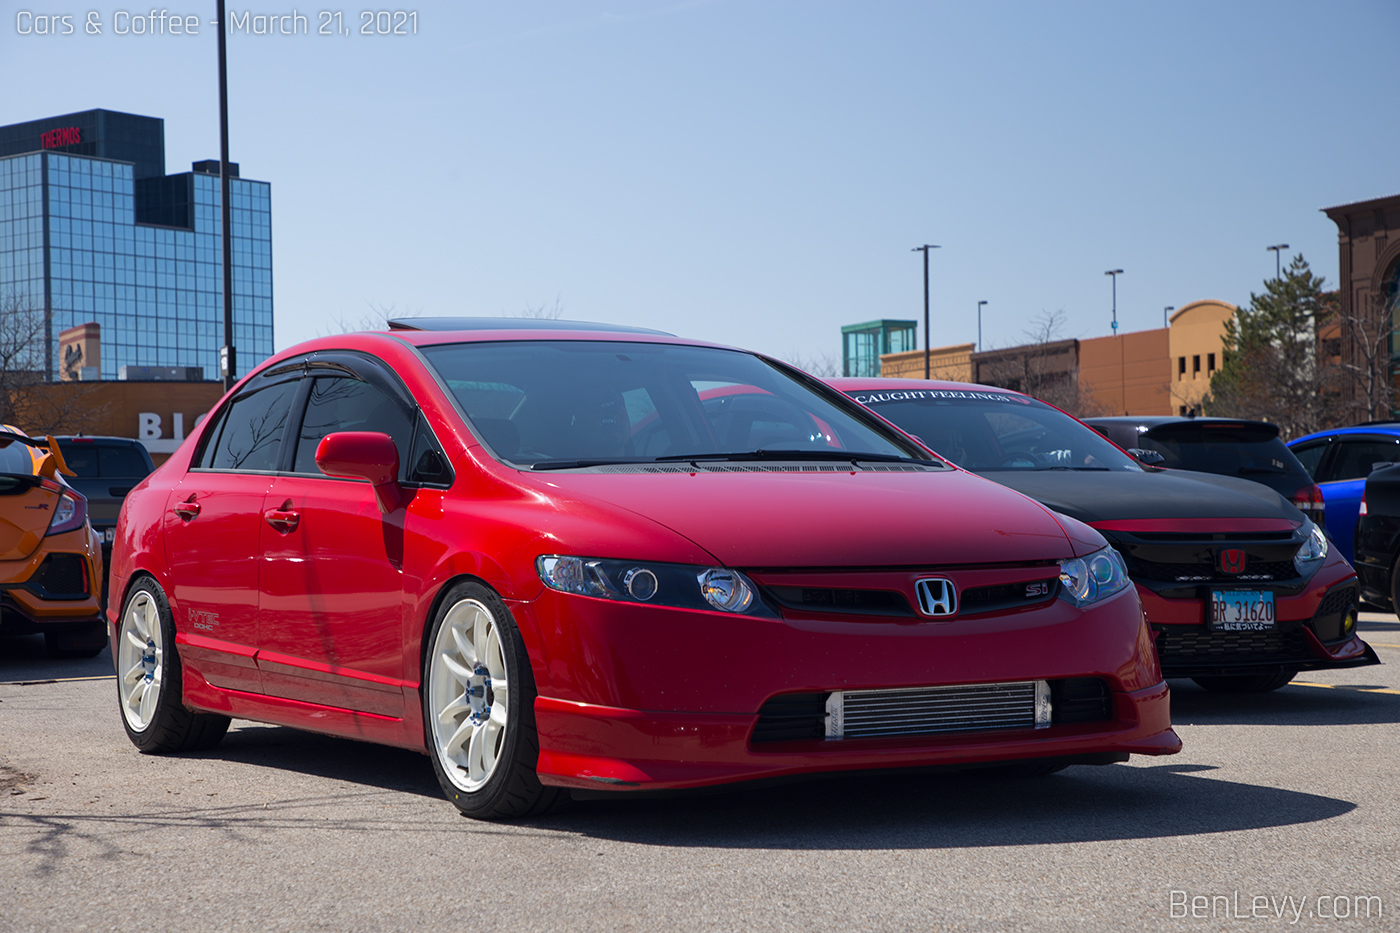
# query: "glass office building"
{"points": [[862, 345], [93, 230]]}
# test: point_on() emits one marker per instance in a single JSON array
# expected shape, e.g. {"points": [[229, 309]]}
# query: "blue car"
{"points": [[1340, 460]]}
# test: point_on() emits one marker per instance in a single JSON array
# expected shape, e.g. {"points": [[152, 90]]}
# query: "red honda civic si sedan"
{"points": [[532, 550]]}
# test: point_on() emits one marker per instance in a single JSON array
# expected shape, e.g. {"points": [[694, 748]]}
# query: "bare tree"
{"points": [[1045, 366], [27, 399], [21, 350], [542, 312], [377, 319], [820, 365], [1366, 367]]}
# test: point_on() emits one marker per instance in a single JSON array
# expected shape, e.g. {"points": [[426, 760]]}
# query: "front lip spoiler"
{"points": [[1353, 652]]}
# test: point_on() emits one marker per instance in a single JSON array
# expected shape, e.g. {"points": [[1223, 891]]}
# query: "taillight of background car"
{"points": [[1309, 500]]}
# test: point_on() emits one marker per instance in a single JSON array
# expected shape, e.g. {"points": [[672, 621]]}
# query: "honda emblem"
{"points": [[1232, 560], [937, 597]]}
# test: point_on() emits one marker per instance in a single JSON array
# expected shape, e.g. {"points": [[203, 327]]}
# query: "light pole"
{"points": [[1278, 268], [979, 325], [1114, 273], [1122, 367], [227, 361], [924, 249], [1165, 311]]}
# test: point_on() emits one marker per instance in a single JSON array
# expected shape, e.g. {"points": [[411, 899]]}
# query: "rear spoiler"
{"points": [[51, 463]]}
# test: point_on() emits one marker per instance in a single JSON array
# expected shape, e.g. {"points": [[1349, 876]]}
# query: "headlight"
{"points": [[680, 585], [1312, 550], [1086, 580]]}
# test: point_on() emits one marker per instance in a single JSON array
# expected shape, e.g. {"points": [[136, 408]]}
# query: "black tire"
{"points": [[510, 788], [76, 644], [1246, 683], [161, 724], [1395, 586]]}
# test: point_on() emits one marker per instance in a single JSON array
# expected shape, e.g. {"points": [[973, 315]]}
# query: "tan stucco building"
{"points": [[1127, 374], [1196, 348], [1165, 371], [953, 363]]}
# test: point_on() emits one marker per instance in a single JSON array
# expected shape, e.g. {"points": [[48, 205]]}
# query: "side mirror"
{"points": [[1149, 457], [367, 455]]}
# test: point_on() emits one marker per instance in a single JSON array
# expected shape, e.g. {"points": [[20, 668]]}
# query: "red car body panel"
{"points": [[323, 630]]}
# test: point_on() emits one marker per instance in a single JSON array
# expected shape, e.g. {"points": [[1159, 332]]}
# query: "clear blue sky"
{"points": [[755, 172]]}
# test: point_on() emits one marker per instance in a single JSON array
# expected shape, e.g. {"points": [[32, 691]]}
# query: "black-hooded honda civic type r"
{"points": [[1241, 589]]}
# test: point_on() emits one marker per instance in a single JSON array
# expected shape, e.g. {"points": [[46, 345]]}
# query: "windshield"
{"points": [[570, 403], [988, 431]]}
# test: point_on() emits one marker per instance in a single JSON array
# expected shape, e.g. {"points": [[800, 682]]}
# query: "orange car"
{"points": [[50, 558]]}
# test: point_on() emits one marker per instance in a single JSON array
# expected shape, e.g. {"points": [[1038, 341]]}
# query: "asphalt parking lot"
{"points": [[1281, 811]]}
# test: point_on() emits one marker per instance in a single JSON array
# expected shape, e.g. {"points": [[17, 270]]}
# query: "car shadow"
{"points": [[921, 811], [900, 809], [24, 659], [1387, 626], [1293, 705], [288, 749]]}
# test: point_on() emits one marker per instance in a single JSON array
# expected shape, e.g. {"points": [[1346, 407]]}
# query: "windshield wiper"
{"points": [[761, 454], [575, 464], [1078, 469]]}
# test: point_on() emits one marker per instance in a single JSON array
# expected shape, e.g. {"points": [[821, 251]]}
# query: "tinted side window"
{"points": [[428, 464], [1354, 459], [1310, 456], [250, 437], [338, 403]]}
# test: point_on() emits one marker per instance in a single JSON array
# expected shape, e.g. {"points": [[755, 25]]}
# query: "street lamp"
{"points": [[1114, 273], [227, 361], [1278, 269], [1165, 311], [924, 249], [979, 325]]}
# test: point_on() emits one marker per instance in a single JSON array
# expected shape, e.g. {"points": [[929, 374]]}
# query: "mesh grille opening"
{"points": [[61, 575], [931, 710]]}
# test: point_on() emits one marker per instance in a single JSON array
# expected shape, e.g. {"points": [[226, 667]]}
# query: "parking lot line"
{"points": [[53, 680], [1303, 683]]}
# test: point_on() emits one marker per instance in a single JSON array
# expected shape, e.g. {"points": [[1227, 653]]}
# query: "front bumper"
{"points": [[1311, 633], [585, 746], [641, 697]]}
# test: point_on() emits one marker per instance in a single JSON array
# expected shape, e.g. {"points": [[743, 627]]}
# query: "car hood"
{"points": [[1100, 497], [838, 519]]}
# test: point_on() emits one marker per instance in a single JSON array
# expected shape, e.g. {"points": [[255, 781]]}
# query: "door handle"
{"points": [[285, 519], [187, 509]]}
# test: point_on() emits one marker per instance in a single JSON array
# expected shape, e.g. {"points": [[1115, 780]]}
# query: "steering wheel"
{"points": [[1018, 460]]}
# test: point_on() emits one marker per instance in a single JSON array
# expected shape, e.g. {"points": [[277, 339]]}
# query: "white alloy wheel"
{"points": [[469, 699], [140, 661]]}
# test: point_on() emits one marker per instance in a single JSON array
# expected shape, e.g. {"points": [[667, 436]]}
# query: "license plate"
{"points": [[1241, 610], [109, 535]]}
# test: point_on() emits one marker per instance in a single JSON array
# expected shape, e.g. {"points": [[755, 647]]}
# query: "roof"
{"points": [[513, 323], [847, 383]]}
